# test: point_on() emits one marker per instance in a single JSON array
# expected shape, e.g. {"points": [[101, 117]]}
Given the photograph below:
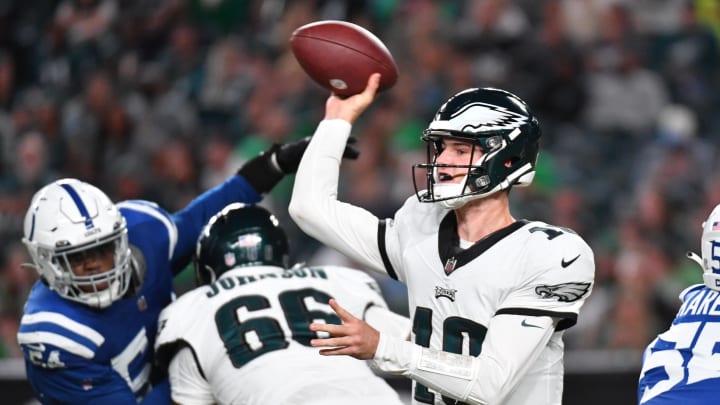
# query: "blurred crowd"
{"points": [[163, 99]]}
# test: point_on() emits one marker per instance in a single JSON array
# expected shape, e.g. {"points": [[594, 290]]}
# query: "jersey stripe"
{"points": [[154, 212], [383, 250], [566, 319], [64, 322], [56, 340]]}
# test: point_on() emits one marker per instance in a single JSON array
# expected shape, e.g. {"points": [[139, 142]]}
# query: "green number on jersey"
{"points": [[247, 340]]}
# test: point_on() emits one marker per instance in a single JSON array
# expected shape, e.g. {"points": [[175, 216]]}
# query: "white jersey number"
{"points": [[122, 362], [701, 365]]}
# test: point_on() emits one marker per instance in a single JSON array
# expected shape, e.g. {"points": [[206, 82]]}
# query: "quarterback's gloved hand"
{"points": [[266, 170]]}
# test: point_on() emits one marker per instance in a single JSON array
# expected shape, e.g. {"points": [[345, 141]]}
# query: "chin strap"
{"points": [[694, 257]]}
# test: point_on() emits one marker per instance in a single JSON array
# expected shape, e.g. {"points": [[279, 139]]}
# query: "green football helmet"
{"points": [[239, 236], [504, 128]]}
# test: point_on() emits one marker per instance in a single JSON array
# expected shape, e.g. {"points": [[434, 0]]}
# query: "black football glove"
{"points": [[266, 170]]}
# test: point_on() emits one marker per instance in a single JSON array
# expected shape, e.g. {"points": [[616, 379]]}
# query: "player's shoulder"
{"points": [[54, 333], [417, 216], [558, 249], [138, 212], [548, 239], [149, 225], [188, 303], [342, 273], [554, 233], [690, 292], [182, 315]]}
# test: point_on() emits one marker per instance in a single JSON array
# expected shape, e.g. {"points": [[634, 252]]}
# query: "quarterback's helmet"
{"points": [[239, 235], [67, 222], [710, 250], [504, 129]]}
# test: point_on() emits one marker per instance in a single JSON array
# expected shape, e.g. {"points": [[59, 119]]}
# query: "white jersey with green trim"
{"points": [[528, 268], [527, 275], [249, 335]]}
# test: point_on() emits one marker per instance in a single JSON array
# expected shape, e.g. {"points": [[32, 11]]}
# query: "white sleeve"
{"points": [[508, 351], [388, 322], [187, 385], [351, 230]]}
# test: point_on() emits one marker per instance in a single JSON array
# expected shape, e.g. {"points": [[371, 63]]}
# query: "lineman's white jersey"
{"points": [[523, 279], [250, 339]]}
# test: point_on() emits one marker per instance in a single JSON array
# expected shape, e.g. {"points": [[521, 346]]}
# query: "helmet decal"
{"points": [[79, 204], [481, 116], [239, 236]]}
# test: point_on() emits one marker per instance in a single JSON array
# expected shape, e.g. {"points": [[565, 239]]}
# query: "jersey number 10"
{"points": [[455, 329]]}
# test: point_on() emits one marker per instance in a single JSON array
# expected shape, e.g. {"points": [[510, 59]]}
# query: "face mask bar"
{"points": [[475, 180], [97, 290]]}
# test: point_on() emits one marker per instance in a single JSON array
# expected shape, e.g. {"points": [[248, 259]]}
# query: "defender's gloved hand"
{"points": [[288, 155], [266, 170]]}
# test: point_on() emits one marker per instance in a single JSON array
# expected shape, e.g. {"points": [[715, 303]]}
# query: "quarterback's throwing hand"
{"points": [[349, 109], [354, 337]]}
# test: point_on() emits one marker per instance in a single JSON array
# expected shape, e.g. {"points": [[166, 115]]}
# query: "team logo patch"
{"points": [[567, 292], [491, 118], [448, 293]]}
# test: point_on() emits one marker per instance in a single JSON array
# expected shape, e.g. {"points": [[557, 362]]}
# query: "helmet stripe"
{"points": [[79, 204], [32, 225]]}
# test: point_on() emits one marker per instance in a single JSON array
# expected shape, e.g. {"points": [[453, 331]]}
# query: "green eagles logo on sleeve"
{"points": [[567, 292]]}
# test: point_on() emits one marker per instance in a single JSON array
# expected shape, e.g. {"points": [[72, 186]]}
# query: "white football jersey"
{"points": [[524, 271], [249, 333], [527, 268]]}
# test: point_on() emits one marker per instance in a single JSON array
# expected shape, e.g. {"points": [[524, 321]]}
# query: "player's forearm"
{"points": [[316, 182], [486, 379], [314, 206], [448, 373]]}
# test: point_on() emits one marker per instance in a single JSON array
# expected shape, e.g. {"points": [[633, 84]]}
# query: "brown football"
{"points": [[340, 56]]}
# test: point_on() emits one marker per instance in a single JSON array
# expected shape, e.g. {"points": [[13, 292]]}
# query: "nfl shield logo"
{"points": [[450, 265], [230, 259]]}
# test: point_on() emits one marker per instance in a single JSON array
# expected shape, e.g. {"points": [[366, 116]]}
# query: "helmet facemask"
{"points": [[492, 170], [96, 290]]}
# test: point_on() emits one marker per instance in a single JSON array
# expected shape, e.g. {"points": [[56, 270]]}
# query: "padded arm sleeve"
{"points": [[508, 351], [314, 206]]}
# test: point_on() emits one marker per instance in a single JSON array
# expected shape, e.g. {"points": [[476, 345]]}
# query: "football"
{"points": [[340, 56]]}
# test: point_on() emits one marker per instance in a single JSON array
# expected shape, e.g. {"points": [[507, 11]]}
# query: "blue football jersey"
{"points": [[682, 365], [77, 354]]}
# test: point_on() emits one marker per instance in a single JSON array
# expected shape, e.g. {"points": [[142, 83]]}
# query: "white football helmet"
{"points": [[710, 250], [67, 221]]}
